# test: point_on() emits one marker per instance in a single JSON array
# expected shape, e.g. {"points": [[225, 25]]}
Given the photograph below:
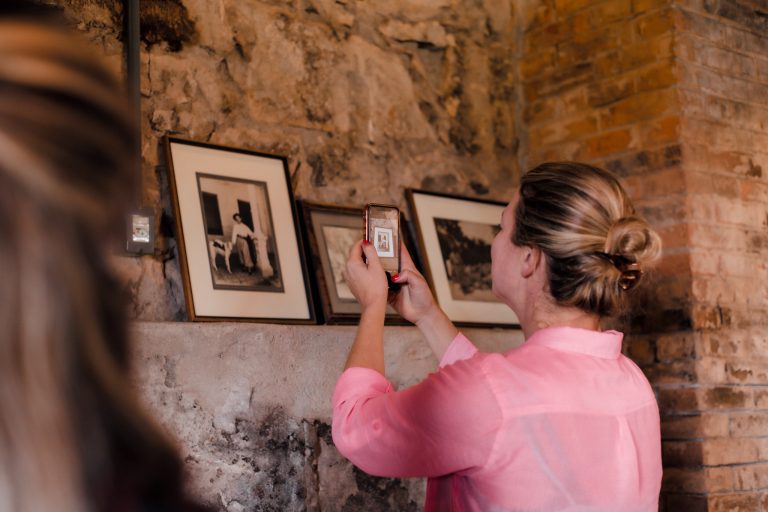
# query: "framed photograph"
{"points": [[240, 250], [455, 235], [331, 233]]}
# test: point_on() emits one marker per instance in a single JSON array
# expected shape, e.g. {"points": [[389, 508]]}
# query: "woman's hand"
{"points": [[414, 301], [416, 304], [367, 281]]}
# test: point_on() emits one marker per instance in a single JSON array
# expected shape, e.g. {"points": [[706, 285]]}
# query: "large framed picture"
{"points": [[240, 250], [331, 233], [455, 235]]}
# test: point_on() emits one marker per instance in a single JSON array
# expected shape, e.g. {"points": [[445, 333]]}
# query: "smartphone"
{"points": [[382, 230]]}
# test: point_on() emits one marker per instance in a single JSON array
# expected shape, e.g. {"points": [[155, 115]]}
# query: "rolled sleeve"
{"points": [[419, 431]]}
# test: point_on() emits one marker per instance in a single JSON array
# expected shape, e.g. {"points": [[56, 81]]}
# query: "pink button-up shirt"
{"points": [[563, 422]]}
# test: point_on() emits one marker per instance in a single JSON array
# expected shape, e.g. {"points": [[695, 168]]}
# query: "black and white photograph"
{"points": [[382, 241], [241, 251], [466, 250], [455, 234], [240, 234]]}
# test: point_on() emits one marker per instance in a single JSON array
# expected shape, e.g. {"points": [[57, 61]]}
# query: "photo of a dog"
{"points": [[220, 248], [241, 245]]}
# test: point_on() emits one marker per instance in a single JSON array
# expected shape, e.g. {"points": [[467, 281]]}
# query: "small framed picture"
{"points": [[331, 233], [455, 235], [240, 250]]}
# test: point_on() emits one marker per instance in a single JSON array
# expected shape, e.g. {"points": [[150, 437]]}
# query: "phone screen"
{"points": [[382, 229]]}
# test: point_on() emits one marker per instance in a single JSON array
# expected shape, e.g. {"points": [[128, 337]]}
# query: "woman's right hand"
{"points": [[414, 300]]}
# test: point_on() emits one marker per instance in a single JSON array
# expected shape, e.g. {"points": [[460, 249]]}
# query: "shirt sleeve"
{"points": [[445, 424], [459, 349]]}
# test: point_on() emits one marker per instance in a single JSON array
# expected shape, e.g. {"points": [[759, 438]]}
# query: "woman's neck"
{"points": [[545, 314]]}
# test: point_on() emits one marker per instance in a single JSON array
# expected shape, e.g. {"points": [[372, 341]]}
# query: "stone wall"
{"points": [[364, 98]]}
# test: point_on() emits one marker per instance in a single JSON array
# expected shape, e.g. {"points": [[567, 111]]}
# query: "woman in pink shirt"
{"points": [[563, 422]]}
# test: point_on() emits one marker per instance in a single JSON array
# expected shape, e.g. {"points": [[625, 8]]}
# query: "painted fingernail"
{"points": [[395, 277], [366, 242]]}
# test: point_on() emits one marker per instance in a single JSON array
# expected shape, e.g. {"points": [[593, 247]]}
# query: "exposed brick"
{"points": [[684, 479], [672, 372], [606, 143], [656, 76], [584, 49], [751, 477], [705, 262], [537, 64], [727, 61], [656, 23], [683, 453], [761, 398], [753, 423], [726, 397], [698, 480], [675, 346], [606, 12], [674, 236], [568, 6], [661, 131], [547, 36], [735, 503], [605, 92], [730, 451], [679, 400], [645, 52], [695, 425], [685, 502], [642, 6], [647, 160], [641, 350], [751, 190], [711, 370], [640, 107]]}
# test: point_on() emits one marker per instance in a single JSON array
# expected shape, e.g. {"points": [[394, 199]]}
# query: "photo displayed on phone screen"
{"points": [[383, 231]]}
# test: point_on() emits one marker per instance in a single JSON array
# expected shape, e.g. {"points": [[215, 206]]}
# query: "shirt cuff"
{"points": [[459, 349], [356, 382]]}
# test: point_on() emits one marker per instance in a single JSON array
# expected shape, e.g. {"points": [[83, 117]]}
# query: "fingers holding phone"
{"points": [[382, 230], [365, 276], [414, 301]]}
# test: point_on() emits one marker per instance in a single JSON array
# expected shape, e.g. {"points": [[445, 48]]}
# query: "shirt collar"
{"points": [[605, 344]]}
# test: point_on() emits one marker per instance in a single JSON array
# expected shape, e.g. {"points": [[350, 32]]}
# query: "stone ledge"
{"points": [[292, 366]]}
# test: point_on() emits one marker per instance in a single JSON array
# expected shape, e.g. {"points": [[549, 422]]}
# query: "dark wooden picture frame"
{"points": [[240, 248], [331, 231], [454, 235]]}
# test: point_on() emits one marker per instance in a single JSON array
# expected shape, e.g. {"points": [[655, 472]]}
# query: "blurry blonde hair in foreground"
{"points": [[72, 434]]}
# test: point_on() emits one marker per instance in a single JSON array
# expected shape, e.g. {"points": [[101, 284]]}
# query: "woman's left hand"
{"points": [[367, 281]]}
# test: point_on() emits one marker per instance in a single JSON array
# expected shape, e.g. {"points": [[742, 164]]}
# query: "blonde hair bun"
{"points": [[597, 247]]}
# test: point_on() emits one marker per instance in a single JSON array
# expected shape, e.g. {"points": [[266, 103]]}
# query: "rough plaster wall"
{"points": [[365, 98], [251, 406]]}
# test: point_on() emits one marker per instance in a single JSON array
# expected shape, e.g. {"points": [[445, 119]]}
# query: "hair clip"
{"points": [[630, 270]]}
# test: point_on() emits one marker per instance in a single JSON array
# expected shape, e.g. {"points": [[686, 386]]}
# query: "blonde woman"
{"points": [[564, 422], [73, 437]]}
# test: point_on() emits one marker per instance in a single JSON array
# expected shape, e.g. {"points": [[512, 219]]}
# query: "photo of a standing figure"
{"points": [[240, 234]]}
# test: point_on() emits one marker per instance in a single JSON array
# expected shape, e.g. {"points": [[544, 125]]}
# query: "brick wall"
{"points": [[674, 97], [722, 54]]}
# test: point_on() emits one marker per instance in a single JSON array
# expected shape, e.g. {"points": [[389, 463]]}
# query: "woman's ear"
{"points": [[531, 261]]}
